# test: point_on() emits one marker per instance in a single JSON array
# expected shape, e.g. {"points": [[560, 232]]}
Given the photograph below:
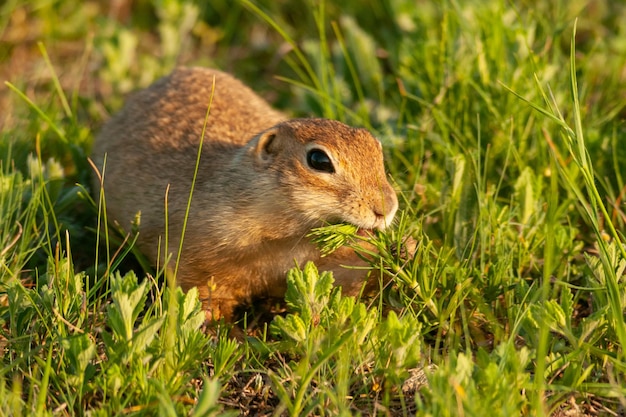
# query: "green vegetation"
{"points": [[501, 122]]}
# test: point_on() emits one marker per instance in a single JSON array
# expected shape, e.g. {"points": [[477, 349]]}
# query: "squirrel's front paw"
{"points": [[406, 249]]}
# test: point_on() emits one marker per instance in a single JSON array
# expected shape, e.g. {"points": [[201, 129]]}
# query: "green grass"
{"points": [[501, 122]]}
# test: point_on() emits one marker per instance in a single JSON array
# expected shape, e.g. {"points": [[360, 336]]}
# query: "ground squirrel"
{"points": [[263, 183]]}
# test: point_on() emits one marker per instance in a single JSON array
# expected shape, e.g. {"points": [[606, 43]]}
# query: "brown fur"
{"points": [[255, 197]]}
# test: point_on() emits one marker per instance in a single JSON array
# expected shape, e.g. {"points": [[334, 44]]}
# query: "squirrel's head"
{"points": [[329, 172]]}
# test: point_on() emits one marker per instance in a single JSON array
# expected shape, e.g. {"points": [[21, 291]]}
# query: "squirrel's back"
{"points": [[153, 141]]}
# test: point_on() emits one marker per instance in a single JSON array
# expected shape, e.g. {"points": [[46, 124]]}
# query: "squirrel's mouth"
{"points": [[363, 232]]}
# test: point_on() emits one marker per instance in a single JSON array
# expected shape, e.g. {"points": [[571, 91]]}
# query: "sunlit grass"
{"points": [[501, 125]]}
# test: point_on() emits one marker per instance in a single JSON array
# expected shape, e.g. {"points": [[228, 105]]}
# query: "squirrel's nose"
{"points": [[386, 209]]}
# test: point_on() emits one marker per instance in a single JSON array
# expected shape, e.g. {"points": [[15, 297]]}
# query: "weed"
{"points": [[501, 126]]}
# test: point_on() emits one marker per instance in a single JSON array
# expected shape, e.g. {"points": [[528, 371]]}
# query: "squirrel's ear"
{"points": [[267, 146]]}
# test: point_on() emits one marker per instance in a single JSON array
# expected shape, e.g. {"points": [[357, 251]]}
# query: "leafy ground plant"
{"points": [[501, 123]]}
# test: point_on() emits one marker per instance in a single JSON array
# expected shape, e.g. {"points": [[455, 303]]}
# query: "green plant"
{"points": [[501, 125]]}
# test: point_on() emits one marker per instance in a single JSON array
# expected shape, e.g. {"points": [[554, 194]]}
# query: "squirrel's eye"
{"points": [[319, 161]]}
